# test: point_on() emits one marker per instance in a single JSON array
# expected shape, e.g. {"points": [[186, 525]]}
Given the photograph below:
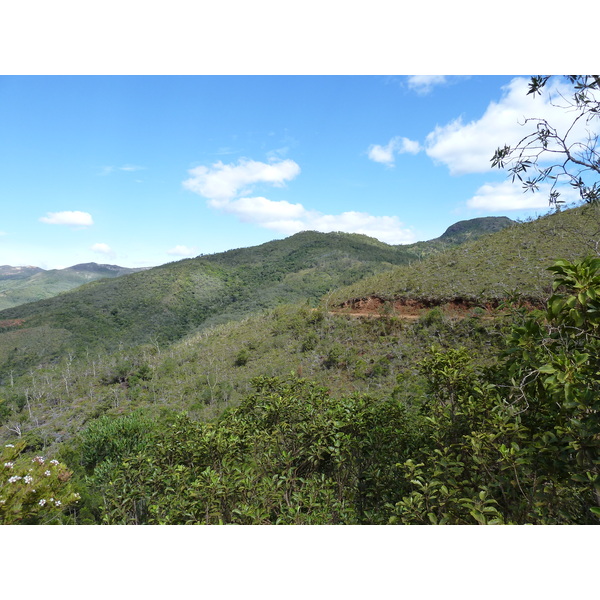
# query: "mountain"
{"points": [[20, 285], [511, 261], [163, 304], [8, 272], [464, 231]]}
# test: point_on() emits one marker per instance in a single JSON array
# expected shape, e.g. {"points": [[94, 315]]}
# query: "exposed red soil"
{"points": [[10, 323], [411, 309]]}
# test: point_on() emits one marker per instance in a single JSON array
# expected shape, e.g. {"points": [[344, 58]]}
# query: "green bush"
{"points": [[33, 490]]}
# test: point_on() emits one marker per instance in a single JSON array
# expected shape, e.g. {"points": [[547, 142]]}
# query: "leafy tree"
{"points": [[573, 160]]}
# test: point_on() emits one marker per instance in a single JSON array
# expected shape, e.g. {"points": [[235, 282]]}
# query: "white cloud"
{"points": [[74, 218], [284, 217], [510, 196], [388, 229], [182, 251], [104, 249], [222, 182], [226, 188], [423, 84], [468, 147], [131, 168], [127, 168], [397, 145], [261, 210]]}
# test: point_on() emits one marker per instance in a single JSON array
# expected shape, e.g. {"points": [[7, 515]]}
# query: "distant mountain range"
{"points": [[19, 285]]}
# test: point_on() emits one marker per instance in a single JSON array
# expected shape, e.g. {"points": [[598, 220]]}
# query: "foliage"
{"points": [[33, 490], [110, 439], [521, 443], [574, 160], [288, 454], [487, 418]]}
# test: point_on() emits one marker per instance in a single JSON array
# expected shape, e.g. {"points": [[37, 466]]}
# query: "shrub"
{"points": [[33, 490]]}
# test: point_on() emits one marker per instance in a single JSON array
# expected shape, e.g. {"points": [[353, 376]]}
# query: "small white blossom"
{"points": [[47, 473], [54, 462], [38, 459], [28, 479], [58, 503], [42, 502], [9, 465], [14, 479], [9, 446]]}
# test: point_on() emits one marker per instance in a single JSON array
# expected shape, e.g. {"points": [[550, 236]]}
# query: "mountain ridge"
{"points": [[24, 284], [165, 303]]}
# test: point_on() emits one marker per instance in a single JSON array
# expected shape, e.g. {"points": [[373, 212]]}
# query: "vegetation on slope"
{"points": [[20, 285], [513, 261], [298, 415], [164, 304]]}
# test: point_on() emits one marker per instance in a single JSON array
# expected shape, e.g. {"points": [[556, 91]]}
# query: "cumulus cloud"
{"points": [[510, 196], [388, 229], [182, 251], [104, 249], [423, 84], [397, 145], [468, 147], [222, 182], [73, 218], [227, 187], [284, 217]]}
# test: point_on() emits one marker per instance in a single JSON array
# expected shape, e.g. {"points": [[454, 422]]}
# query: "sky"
{"points": [[140, 170]]}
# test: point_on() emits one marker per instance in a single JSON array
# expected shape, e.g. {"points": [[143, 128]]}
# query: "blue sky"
{"points": [[143, 170]]}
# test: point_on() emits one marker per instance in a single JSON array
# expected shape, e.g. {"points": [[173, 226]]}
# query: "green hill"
{"points": [[20, 285], [165, 303], [512, 260]]}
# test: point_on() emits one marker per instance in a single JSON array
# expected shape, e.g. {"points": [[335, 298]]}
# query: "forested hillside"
{"points": [[236, 388], [163, 304]]}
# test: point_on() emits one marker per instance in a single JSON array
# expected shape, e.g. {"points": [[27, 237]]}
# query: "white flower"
{"points": [[38, 459], [54, 462], [9, 446], [14, 479], [47, 473], [28, 479], [9, 465], [42, 502], [58, 503]]}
